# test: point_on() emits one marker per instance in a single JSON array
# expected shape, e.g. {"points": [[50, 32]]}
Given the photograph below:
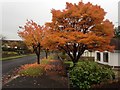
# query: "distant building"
{"points": [[15, 46]]}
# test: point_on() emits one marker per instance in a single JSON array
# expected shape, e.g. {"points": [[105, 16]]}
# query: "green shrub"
{"points": [[87, 73]]}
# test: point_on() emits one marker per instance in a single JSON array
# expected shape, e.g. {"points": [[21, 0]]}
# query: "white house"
{"points": [[110, 58], [88, 54]]}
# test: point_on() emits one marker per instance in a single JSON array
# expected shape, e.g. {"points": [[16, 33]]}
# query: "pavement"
{"points": [[54, 78]]}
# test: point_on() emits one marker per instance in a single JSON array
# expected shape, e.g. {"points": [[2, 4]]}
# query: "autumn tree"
{"points": [[79, 27], [44, 46], [32, 35]]}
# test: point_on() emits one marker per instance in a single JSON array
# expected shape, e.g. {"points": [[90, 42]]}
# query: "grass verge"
{"points": [[14, 57], [34, 69], [31, 70]]}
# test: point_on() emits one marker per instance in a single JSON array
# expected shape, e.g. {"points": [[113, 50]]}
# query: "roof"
{"points": [[115, 42]]}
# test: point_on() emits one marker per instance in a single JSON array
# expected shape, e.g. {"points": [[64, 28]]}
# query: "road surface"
{"points": [[10, 65]]}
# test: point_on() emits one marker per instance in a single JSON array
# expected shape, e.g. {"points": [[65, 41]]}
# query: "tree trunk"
{"points": [[46, 53], [75, 61], [39, 47], [37, 52], [38, 59], [77, 51]]}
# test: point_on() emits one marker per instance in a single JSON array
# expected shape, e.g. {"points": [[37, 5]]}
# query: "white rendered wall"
{"points": [[113, 58], [101, 58], [118, 59], [88, 54]]}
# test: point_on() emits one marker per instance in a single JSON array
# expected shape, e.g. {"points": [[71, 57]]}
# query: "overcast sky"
{"points": [[14, 14]]}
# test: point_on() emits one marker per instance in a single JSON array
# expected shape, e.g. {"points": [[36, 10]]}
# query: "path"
{"points": [[9, 67], [54, 77]]}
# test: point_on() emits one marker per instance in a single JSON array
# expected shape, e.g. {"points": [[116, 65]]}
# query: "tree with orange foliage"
{"points": [[79, 27], [32, 35]]}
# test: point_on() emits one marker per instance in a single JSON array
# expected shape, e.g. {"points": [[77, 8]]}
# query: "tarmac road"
{"points": [[10, 65]]}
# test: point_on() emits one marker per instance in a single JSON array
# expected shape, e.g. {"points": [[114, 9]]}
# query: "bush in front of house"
{"points": [[88, 73]]}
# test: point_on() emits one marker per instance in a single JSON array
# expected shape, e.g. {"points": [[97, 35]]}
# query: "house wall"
{"points": [[113, 58], [101, 58], [119, 59], [88, 54]]}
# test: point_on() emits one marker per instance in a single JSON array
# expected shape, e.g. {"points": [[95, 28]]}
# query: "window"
{"points": [[98, 56], [105, 56]]}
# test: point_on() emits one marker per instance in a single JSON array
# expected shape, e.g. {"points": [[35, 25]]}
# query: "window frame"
{"points": [[105, 57], [98, 57]]}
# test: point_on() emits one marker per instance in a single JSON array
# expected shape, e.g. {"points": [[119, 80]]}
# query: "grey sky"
{"points": [[14, 14], [119, 13]]}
